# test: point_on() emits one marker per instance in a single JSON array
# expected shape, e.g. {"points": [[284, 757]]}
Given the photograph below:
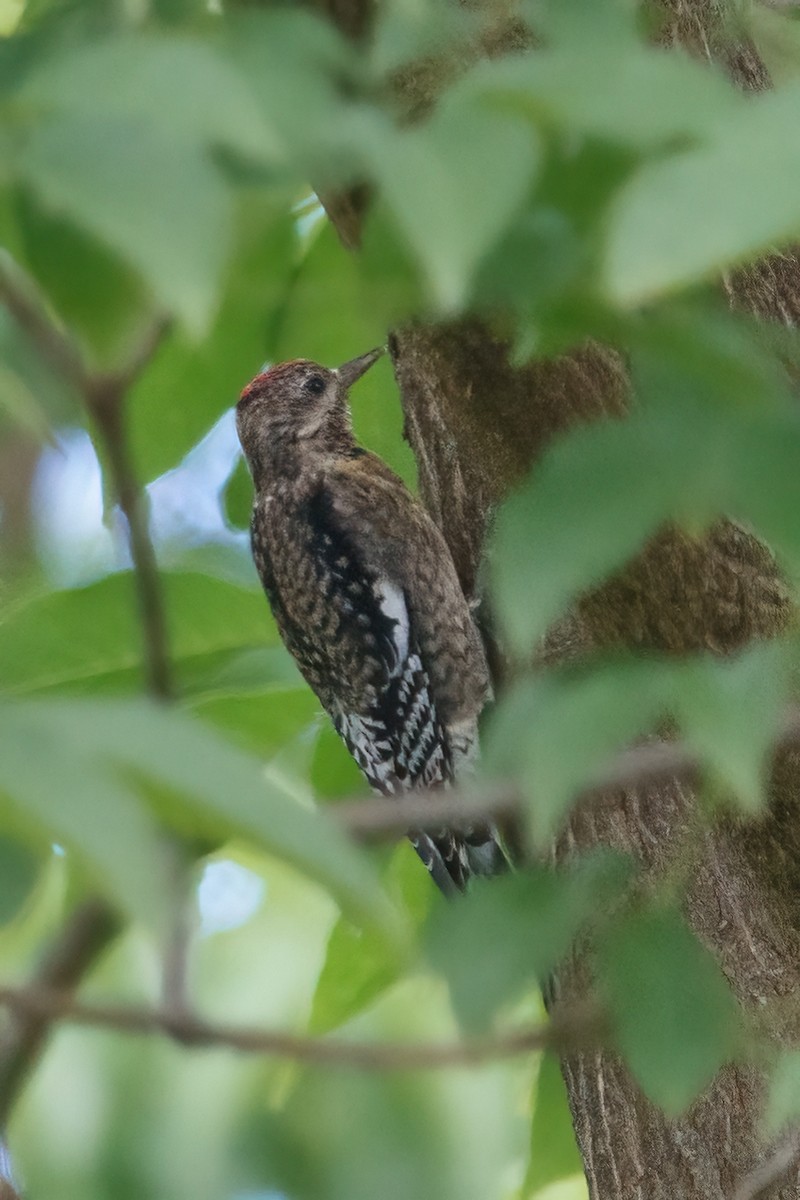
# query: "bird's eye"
{"points": [[315, 385]]}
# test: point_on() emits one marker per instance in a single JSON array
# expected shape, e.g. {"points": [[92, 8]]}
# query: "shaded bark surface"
{"points": [[476, 424]]}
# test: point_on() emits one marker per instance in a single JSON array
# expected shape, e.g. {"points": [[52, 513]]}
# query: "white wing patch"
{"points": [[400, 745], [393, 605]]}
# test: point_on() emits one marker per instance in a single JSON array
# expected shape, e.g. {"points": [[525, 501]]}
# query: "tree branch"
{"points": [[86, 933], [105, 402], [93, 925], [647, 765], [104, 397], [581, 1029]]}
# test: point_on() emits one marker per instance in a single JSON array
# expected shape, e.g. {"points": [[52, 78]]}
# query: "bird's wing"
{"points": [[398, 738]]}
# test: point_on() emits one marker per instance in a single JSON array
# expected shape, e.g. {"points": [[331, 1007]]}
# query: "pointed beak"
{"points": [[350, 371]]}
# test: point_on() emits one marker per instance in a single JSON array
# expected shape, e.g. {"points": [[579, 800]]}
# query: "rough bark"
{"points": [[476, 424]]}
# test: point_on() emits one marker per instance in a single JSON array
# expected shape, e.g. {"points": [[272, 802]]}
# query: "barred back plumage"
{"points": [[366, 598]]}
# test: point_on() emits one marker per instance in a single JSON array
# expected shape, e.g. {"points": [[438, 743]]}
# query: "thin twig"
{"points": [[581, 1029], [180, 936], [770, 1171], [57, 348], [92, 926], [648, 765], [107, 409], [104, 397], [85, 935]]}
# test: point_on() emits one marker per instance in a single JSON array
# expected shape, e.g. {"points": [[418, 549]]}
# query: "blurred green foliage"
{"points": [[158, 159]]}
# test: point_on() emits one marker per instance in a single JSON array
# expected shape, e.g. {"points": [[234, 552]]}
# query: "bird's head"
{"points": [[297, 402]]}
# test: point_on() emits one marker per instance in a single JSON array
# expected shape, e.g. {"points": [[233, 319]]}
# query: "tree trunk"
{"points": [[476, 424]]}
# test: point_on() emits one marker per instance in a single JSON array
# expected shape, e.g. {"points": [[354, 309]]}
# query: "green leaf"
{"points": [[556, 732], [179, 85], [682, 219], [349, 1135], [155, 199], [731, 714], [509, 933], [238, 496], [36, 382], [89, 639], [19, 870], [57, 782], [102, 299], [262, 722], [674, 1015], [768, 481], [214, 788], [334, 773], [329, 318], [554, 1154], [300, 68], [594, 499], [189, 386], [19, 407], [359, 965], [783, 1099], [612, 88], [453, 184]]}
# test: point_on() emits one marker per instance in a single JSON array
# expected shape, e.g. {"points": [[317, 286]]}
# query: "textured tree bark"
{"points": [[476, 424]]}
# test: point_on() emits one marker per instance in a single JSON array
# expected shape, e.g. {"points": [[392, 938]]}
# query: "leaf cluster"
{"points": [[162, 160]]}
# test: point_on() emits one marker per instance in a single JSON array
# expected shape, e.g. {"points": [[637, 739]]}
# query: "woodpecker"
{"points": [[366, 597]]}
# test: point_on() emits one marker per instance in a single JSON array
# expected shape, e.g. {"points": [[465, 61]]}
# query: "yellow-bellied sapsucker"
{"points": [[365, 595]]}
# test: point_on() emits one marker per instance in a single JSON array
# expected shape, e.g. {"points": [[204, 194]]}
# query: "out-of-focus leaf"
{"points": [[723, 360], [612, 88], [238, 496], [574, 522], [188, 386], [453, 185], [683, 218], [53, 395], [296, 64], [329, 318], [674, 1015], [506, 935], [333, 770], [223, 790], [154, 198], [783, 1100], [731, 713], [19, 407], [776, 35], [768, 482], [359, 966], [404, 33], [554, 1154], [58, 783], [179, 84], [102, 299], [262, 722], [351, 1136], [19, 870], [88, 639], [554, 733]]}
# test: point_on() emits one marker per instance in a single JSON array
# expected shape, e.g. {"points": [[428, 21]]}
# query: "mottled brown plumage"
{"points": [[365, 595]]}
